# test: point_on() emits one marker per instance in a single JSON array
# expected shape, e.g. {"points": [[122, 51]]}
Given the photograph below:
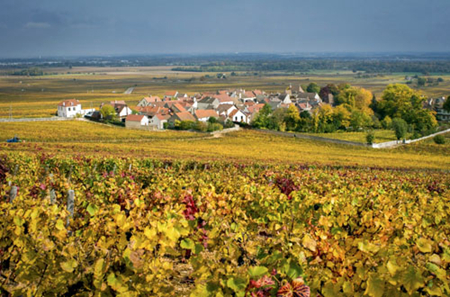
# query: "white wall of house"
{"points": [[239, 116], [159, 124], [69, 111], [137, 124], [125, 111]]}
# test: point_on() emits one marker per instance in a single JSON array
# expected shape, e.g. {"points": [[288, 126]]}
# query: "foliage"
{"points": [[386, 123], [108, 112], [214, 127], [402, 102], [446, 105], [439, 139], [370, 137], [400, 127], [313, 88], [151, 227]]}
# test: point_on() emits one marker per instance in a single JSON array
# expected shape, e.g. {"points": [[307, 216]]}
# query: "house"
{"points": [[203, 115], [225, 99], [122, 110], [304, 107], [146, 101], [136, 121], [225, 109], [182, 116], [208, 103], [158, 121], [238, 116], [308, 96], [169, 95], [285, 98], [70, 108], [151, 111]]}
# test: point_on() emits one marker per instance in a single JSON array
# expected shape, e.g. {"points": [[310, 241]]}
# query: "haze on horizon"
{"points": [[32, 28]]}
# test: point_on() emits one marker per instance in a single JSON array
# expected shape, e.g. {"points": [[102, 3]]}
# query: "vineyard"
{"points": [[124, 226]]}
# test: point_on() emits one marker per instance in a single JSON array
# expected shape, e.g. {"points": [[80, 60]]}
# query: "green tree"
{"points": [[421, 81], [446, 105], [108, 112], [360, 120], [386, 123], [313, 88], [262, 118], [400, 127]]}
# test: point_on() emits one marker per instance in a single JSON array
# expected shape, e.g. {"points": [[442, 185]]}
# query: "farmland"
{"points": [[38, 96], [175, 213], [180, 228]]}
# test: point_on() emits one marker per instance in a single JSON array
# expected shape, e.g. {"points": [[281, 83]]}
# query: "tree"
{"points": [[108, 112], [446, 105], [421, 81], [292, 118], [360, 120], [400, 127], [395, 100], [341, 117], [386, 123], [313, 88], [262, 118], [356, 98]]}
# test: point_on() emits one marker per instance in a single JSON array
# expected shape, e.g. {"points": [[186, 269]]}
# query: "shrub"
{"points": [[439, 139], [214, 127], [400, 127], [200, 126], [370, 137]]}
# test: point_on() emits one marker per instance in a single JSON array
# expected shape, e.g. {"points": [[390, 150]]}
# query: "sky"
{"points": [[32, 28]]}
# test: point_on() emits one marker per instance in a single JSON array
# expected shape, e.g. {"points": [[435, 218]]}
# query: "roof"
{"points": [[152, 99], [207, 100], [185, 116], [179, 107], [69, 102], [224, 107], [205, 113], [117, 102], [224, 98], [134, 118], [170, 93], [162, 117], [153, 110]]}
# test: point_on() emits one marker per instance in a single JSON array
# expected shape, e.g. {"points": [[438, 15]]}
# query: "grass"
{"points": [[380, 136], [62, 138]]}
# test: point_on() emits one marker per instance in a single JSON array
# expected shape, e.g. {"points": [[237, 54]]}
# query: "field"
{"points": [[183, 228], [85, 138], [23, 96], [176, 213], [380, 136]]}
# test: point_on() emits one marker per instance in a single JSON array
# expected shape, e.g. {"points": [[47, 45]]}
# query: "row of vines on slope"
{"points": [[149, 227]]}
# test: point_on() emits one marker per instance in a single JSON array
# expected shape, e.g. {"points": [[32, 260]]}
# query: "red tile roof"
{"points": [[162, 117], [134, 118], [185, 116], [152, 99], [170, 93], [205, 113], [223, 98], [70, 102]]}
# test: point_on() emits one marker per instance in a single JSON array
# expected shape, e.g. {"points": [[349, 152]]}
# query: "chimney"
{"points": [[64, 103]]}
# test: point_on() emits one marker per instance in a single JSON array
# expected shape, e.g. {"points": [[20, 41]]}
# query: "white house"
{"points": [[136, 121], [146, 101], [158, 121], [70, 108], [238, 116]]}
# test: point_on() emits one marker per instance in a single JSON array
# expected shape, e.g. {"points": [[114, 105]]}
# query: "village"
{"points": [[225, 108]]}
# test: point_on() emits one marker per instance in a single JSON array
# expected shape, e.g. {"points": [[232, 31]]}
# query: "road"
{"points": [[129, 91]]}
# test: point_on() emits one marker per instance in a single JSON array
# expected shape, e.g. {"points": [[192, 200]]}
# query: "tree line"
{"points": [[356, 109]]}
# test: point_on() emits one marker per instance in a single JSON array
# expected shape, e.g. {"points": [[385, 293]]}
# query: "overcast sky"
{"points": [[30, 28]]}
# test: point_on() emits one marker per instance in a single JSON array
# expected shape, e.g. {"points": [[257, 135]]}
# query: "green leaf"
{"points": [[375, 286], [92, 209], [237, 284], [292, 270], [257, 271], [412, 280], [187, 244]]}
